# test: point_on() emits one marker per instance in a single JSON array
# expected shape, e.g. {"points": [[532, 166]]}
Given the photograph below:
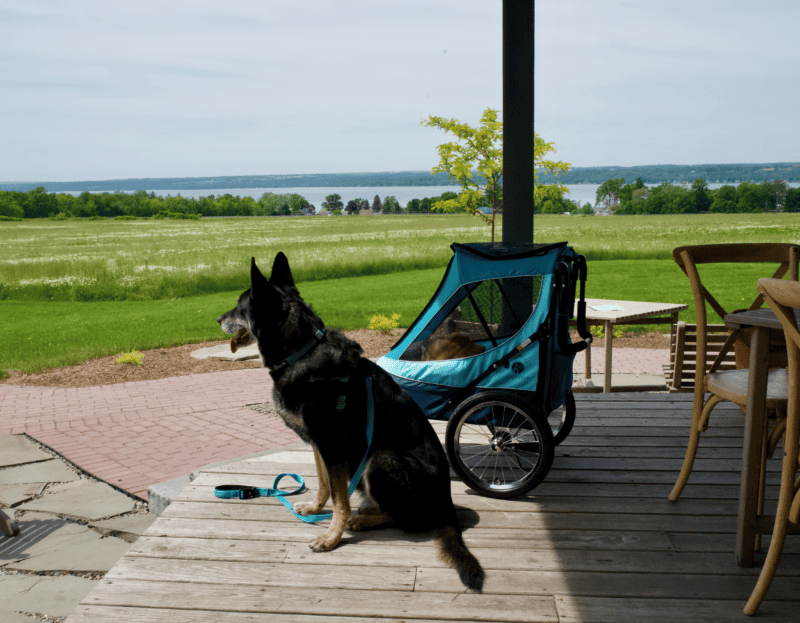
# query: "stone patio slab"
{"points": [[91, 501], [132, 524], [18, 449], [13, 494], [71, 547], [38, 527], [47, 471], [223, 351], [54, 596]]}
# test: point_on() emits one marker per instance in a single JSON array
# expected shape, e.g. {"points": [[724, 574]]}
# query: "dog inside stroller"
{"points": [[491, 354]]}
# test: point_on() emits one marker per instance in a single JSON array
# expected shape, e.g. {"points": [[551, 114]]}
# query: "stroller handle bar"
{"points": [[565, 288]]}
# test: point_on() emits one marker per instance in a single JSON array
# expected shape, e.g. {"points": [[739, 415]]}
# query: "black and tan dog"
{"points": [[320, 391]]}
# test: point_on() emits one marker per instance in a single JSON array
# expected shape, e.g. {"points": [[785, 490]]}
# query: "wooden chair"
{"points": [[725, 385], [782, 296], [679, 372]]}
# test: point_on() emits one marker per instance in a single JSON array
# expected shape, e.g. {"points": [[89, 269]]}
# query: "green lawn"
{"points": [[72, 290], [37, 335]]}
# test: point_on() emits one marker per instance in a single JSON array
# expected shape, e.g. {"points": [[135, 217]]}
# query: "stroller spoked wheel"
{"points": [[499, 444], [562, 419]]}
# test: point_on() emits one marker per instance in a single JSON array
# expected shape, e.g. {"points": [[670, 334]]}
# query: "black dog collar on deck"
{"points": [[299, 354]]}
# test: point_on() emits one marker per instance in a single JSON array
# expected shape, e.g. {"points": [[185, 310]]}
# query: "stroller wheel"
{"points": [[499, 444], [562, 419]]}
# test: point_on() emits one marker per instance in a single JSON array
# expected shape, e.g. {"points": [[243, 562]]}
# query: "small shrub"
{"points": [[383, 324], [134, 357], [599, 332]]}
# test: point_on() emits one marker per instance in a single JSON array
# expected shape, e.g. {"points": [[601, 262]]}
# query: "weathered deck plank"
{"points": [[597, 542]]}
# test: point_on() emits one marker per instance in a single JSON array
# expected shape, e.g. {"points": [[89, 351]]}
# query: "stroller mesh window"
{"points": [[477, 318]]}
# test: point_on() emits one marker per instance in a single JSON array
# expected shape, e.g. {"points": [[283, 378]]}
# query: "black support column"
{"points": [[518, 19]]}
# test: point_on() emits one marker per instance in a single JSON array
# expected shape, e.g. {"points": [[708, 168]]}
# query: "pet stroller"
{"points": [[491, 353]]}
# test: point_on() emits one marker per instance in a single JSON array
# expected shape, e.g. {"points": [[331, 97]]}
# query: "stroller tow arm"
{"points": [[565, 305]]}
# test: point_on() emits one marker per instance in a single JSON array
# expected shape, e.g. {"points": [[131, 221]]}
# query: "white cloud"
{"points": [[98, 90]]}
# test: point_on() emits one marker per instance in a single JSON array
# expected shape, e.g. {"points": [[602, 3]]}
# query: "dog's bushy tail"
{"points": [[454, 553]]}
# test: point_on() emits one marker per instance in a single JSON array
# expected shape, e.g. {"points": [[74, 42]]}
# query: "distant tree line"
{"points": [[38, 203], [679, 174], [613, 196], [617, 197]]}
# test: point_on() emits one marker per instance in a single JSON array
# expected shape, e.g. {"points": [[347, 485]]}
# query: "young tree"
{"points": [[332, 203], [9, 205], [700, 196], [724, 200], [608, 193], [792, 202], [776, 194], [39, 204], [390, 205], [481, 149]]}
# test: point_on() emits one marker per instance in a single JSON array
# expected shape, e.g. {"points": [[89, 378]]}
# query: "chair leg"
{"points": [[794, 511], [762, 482], [791, 448], [699, 425]]}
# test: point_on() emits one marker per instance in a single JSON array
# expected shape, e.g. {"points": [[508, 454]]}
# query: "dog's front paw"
{"points": [[325, 542], [306, 508], [358, 523]]}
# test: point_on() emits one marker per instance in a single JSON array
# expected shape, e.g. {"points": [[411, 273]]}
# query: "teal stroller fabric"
{"points": [[493, 323]]}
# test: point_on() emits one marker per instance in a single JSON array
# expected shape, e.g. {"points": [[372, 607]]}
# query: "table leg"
{"points": [[609, 337], [755, 420], [588, 362]]}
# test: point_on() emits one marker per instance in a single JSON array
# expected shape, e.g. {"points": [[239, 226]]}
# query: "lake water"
{"points": [[316, 195], [582, 193]]}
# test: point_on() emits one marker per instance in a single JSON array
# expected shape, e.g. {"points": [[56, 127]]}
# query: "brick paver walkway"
{"points": [[625, 361], [134, 435]]}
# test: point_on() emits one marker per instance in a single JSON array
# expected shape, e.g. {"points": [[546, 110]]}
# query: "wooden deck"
{"points": [[597, 541]]}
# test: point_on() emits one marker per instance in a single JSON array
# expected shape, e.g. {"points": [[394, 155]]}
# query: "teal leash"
{"points": [[246, 493]]}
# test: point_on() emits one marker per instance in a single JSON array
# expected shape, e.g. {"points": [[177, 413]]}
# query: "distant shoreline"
{"points": [[650, 174]]}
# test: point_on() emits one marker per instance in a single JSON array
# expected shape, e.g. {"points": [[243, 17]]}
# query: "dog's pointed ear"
{"points": [[281, 276], [258, 281]]}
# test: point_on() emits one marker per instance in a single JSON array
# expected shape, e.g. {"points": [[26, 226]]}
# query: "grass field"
{"points": [[80, 289], [158, 260], [155, 260]]}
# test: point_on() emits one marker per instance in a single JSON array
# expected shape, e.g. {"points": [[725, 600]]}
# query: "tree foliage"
{"points": [[332, 203], [474, 161], [616, 197]]}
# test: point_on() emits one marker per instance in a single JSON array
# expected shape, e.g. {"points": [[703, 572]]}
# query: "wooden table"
{"points": [[609, 312], [750, 523]]}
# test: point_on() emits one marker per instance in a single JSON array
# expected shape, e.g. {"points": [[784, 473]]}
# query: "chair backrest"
{"points": [[787, 256], [783, 297]]}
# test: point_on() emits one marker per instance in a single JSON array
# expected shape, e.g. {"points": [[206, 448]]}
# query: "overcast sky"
{"points": [[94, 90]]}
